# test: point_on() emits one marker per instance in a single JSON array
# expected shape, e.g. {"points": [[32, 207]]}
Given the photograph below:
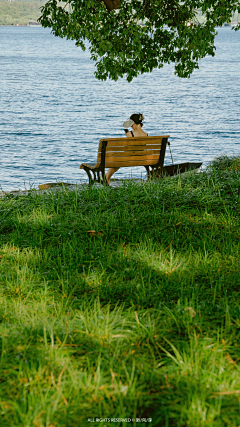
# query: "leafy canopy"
{"points": [[128, 37]]}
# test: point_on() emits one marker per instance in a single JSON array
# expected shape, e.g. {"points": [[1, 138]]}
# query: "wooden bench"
{"points": [[128, 152]]}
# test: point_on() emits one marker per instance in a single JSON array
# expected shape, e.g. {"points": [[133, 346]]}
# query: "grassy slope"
{"points": [[19, 12], [139, 319]]}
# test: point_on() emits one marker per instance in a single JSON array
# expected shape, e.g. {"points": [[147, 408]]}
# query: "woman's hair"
{"points": [[137, 118]]}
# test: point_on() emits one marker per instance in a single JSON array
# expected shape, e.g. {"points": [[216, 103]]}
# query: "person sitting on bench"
{"points": [[136, 123]]}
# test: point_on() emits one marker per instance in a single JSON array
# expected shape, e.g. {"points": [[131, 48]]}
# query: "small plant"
{"points": [[225, 163]]}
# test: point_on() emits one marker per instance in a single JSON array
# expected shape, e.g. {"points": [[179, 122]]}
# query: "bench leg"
{"points": [[154, 172], [89, 175], [103, 178], [148, 172], [96, 176]]}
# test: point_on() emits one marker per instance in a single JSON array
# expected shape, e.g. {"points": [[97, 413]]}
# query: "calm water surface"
{"points": [[53, 111]]}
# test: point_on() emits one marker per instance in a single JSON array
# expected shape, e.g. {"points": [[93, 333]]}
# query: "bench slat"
{"points": [[128, 148], [132, 158], [130, 163], [139, 138], [133, 141], [131, 153]]}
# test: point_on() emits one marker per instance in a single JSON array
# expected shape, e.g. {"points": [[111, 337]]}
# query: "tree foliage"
{"points": [[128, 37]]}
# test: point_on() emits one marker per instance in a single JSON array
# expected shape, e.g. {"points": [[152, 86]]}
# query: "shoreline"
{"points": [[66, 186], [22, 25]]}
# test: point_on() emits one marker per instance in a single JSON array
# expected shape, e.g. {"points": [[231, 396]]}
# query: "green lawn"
{"points": [[122, 303]]}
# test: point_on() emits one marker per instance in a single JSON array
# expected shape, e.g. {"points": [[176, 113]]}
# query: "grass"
{"points": [[225, 163], [122, 303]]}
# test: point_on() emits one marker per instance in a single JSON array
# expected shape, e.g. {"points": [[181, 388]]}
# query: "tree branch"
{"points": [[112, 4]]}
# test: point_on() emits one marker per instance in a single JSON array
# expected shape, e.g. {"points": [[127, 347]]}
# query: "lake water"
{"points": [[53, 111]]}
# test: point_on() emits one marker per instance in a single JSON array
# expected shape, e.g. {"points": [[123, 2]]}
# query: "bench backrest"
{"points": [[135, 151]]}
